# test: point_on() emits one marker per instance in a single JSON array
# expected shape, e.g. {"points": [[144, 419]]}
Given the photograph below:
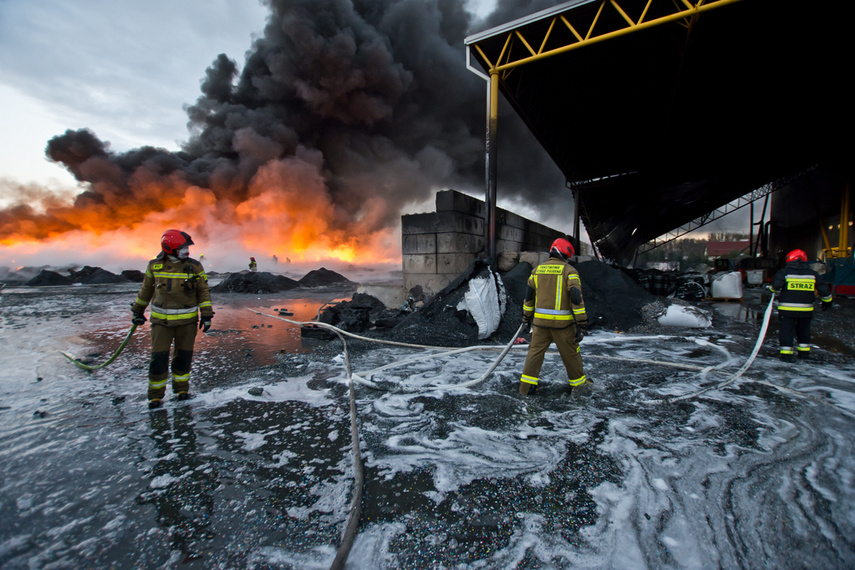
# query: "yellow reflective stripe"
{"points": [[173, 314], [528, 307], [579, 311], [205, 304], [174, 275], [139, 301], [577, 381], [528, 379], [182, 311], [157, 383], [558, 292], [786, 350], [147, 272], [803, 347], [795, 307], [573, 276], [826, 299], [180, 377], [171, 317], [538, 314]]}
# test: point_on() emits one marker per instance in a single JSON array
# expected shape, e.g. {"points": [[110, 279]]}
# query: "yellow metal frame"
{"points": [[683, 11], [842, 249]]}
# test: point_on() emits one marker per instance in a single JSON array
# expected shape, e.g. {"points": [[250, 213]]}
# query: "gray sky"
{"points": [[123, 69]]}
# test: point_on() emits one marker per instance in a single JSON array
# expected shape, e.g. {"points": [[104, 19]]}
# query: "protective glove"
{"points": [[580, 333], [204, 324], [826, 305], [526, 323], [138, 318]]}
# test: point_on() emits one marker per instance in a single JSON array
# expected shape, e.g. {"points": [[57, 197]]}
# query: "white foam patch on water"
{"points": [[251, 441], [682, 316], [285, 390], [319, 558], [744, 472]]}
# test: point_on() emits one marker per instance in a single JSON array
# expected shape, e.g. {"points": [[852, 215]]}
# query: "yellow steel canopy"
{"points": [[658, 111]]}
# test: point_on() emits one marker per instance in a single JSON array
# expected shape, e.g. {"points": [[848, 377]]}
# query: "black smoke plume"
{"points": [[370, 99]]}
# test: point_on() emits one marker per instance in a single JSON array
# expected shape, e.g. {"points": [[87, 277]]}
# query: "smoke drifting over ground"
{"points": [[343, 113]]}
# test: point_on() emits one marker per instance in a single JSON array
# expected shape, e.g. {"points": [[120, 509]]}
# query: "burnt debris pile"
{"points": [[48, 277], [264, 282], [362, 314], [249, 282], [444, 320], [323, 277], [94, 275], [613, 300]]}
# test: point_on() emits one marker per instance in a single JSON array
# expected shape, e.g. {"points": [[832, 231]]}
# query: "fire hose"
{"points": [[109, 360], [349, 533]]}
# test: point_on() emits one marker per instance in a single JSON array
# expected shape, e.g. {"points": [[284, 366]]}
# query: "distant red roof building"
{"points": [[727, 248]]}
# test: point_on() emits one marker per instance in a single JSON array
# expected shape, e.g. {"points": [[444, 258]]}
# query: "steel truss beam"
{"points": [[518, 47], [728, 208], [709, 217]]}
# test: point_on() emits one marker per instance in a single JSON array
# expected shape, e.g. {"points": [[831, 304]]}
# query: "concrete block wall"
{"points": [[438, 246]]}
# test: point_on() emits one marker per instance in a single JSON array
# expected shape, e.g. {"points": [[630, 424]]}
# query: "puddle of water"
{"points": [[238, 326]]}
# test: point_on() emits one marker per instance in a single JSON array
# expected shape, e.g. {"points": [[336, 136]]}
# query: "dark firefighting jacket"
{"points": [[177, 290], [797, 286], [554, 298]]}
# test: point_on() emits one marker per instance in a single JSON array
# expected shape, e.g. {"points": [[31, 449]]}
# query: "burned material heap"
{"points": [[261, 282], [613, 302]]}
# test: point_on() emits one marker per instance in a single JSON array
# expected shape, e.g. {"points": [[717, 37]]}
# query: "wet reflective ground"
{"points": [[757, 473]]}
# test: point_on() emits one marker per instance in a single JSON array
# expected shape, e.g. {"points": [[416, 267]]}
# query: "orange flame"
{"points": [[286, 211]]}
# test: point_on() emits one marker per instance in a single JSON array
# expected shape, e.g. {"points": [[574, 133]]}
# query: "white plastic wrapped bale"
{"points": [[727, 285], [486, 303], [684, 316]]}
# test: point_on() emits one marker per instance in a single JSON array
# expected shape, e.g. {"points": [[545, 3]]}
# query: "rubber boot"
{"points": [[183, 396], [153, 404], [527, 389]]}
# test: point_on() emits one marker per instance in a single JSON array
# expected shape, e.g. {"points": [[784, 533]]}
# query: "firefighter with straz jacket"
{"points": [[554, 306], [177, 288], [797, 286]]}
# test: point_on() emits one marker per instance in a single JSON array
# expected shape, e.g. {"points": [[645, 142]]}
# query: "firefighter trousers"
{"points": [[798, 327], [568, 348], [162, 338]]}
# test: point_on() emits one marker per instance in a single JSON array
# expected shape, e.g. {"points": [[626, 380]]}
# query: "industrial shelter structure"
{"points": [[659, 113]]}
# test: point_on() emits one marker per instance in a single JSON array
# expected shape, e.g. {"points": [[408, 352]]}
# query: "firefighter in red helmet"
{"points": [[797, 286], [253, 266], [554, 307], [177, 288]]}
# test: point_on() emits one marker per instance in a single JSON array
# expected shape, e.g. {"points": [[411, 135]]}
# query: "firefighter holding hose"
{"points": [[177, 288], [554, 306], [797, 286]]}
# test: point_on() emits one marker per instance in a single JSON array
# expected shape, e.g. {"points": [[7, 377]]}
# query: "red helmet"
{"points": [[173, 240], [563, 247], [796, 254], [252, 259]]}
